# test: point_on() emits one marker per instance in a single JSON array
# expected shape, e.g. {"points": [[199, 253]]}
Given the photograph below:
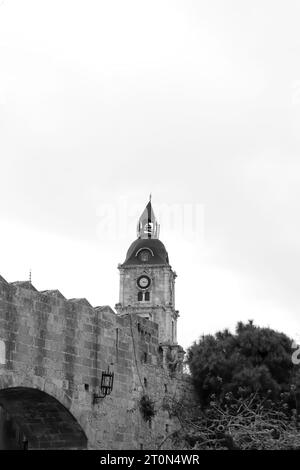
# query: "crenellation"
{"points": [[61, 347], [52, 293], [82, 301], [24, 285]]}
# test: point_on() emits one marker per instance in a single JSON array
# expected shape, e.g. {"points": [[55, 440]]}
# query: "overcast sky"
{"points": [[195, 101]]}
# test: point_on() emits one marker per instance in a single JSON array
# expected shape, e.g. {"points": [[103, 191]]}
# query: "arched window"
{"points": [[144, 254], [140, 296], [147, 296]]}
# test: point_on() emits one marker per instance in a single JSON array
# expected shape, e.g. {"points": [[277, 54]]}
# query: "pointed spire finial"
{"points": [[147, 225], [30, 275]]}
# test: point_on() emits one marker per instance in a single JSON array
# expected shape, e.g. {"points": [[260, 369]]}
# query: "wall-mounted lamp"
{"points": [[107, 381]]}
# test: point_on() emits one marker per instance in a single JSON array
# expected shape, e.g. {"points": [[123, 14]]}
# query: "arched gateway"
{"points": [[32, 419]]}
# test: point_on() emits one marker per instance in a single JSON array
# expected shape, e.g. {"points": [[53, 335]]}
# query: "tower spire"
{"points": [[147, 225]]}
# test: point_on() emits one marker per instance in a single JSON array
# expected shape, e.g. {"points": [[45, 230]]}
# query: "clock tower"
{"points": [[147, 280]]}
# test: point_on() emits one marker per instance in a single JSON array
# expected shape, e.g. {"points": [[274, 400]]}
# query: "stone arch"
{"points": [[14, 388], [14, 379], [36, 420]]}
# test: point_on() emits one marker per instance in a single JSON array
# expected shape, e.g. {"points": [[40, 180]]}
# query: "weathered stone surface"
{"points": [[61, 347], [160, 308]]}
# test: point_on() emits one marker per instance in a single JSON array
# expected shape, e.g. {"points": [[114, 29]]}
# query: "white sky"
{"points": [[198, 102]]}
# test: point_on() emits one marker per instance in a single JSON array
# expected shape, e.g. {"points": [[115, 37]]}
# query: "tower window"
{"points": [[140, 296], [147, 296], [144, 255]]}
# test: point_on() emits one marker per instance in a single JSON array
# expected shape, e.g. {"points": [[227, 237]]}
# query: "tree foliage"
{"points": [[252, 360]]}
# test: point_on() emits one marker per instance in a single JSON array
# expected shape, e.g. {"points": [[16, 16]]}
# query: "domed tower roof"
{"points": [[146, 251], [147, 248]]}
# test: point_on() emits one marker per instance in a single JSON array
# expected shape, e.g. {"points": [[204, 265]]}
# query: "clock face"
{"points": [[143, 282]]}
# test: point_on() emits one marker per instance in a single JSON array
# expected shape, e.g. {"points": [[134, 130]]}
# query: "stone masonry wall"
{"points": [[61, 347], [160, 308]]}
